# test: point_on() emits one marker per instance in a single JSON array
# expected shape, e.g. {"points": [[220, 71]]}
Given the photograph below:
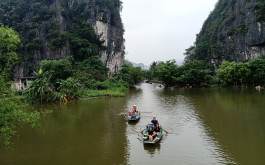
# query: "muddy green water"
{"points": [[206, 126]]}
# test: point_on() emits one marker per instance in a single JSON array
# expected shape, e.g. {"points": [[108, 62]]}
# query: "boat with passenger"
{"points": [[152, 135]]}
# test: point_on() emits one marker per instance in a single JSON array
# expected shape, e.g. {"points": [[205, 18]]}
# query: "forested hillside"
{"points": [[56, 29], [233, 31]]}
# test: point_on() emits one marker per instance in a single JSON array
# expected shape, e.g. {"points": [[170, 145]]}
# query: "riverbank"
{"points": [[111, 92]]}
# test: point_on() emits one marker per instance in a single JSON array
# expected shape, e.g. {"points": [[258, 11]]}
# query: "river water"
{"points": [[206, 126]]}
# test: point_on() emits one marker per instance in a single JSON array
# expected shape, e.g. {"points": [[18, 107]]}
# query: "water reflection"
{"points": [[234, 117], [187, 142], [152, 149], [206, 126], [89, 132]]}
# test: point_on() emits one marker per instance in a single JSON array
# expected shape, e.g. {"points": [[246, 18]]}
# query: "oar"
{"points": [[165, 130], [139, 139]]}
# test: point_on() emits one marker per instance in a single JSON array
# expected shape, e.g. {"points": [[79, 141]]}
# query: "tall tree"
{"points": [[9, 43]]}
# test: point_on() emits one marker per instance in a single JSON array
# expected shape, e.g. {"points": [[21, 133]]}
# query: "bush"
{"points": [[91, 68], [195, 73], [131, 75], [232, 73], [69, 88], [260, 10], [257, 67], [42, 90], [58, 69], [167, 72], [110, 83]]}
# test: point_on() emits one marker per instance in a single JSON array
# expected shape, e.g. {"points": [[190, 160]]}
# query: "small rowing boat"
{"points": [[146, 140], [136, 118]]}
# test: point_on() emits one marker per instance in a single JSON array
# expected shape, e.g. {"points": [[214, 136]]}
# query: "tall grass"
{"points": [[111, 92]]}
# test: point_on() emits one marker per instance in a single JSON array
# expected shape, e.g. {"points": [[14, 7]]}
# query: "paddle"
{"points": [[165, 130]]}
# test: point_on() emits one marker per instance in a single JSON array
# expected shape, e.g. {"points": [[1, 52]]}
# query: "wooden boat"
{"points": [[146, 140], [138, 115]]}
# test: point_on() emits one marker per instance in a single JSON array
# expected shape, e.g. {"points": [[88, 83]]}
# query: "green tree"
{"points": [[226, 73], [195, 73], [147, 74], [92, 66], [84, 41], [42, 90], [257, 67], [13, 113], [58, 69], [130, 74], [9, 43], [232, 73], [69, 88], [167, 72], [244, 73], [190, 54]]}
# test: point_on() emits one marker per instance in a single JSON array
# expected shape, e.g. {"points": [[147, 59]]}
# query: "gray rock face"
{"points": [[233, 32], [100, 19]]}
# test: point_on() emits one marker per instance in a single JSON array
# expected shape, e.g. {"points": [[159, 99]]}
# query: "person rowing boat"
{"points": [[133, 113]]}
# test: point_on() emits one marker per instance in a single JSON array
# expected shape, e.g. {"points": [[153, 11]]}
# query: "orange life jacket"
{"points": [[132, 113]]}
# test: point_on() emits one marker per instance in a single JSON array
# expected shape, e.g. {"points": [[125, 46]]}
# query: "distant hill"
{"points": [[146, 67], [141, 65]]}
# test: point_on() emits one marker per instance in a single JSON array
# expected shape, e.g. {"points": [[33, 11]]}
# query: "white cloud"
{"points": [[162, 29]]}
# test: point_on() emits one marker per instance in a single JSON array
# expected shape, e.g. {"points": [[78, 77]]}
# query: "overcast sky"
{"points": [[160, 30]]}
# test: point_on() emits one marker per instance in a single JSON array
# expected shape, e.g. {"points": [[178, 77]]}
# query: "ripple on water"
{"points": [[187, 142]]}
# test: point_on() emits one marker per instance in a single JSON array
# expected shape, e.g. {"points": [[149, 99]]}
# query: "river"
{"points": [[206, 126]]}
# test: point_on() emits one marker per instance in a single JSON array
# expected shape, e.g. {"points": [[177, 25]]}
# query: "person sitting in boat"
{"points": [[157, 130], [151, 134], [133, 115], [155, 122], [149, 125], [134, 109]]}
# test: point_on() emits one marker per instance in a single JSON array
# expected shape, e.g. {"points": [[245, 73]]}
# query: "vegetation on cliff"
{"points": [[230, 32], [260, 10], [39, 27], [210, 40]]}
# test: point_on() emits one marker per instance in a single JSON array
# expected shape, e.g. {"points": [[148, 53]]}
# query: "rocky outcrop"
{"points": [[113, 57], [103, 16], [235, 30]]}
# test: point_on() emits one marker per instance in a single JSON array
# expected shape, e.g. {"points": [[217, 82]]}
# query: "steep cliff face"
{"points": [[56, 29], [113, 57], [235, 31]]}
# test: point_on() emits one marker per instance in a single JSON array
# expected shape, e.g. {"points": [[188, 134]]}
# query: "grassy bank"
{"points": [[111, 92]]}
